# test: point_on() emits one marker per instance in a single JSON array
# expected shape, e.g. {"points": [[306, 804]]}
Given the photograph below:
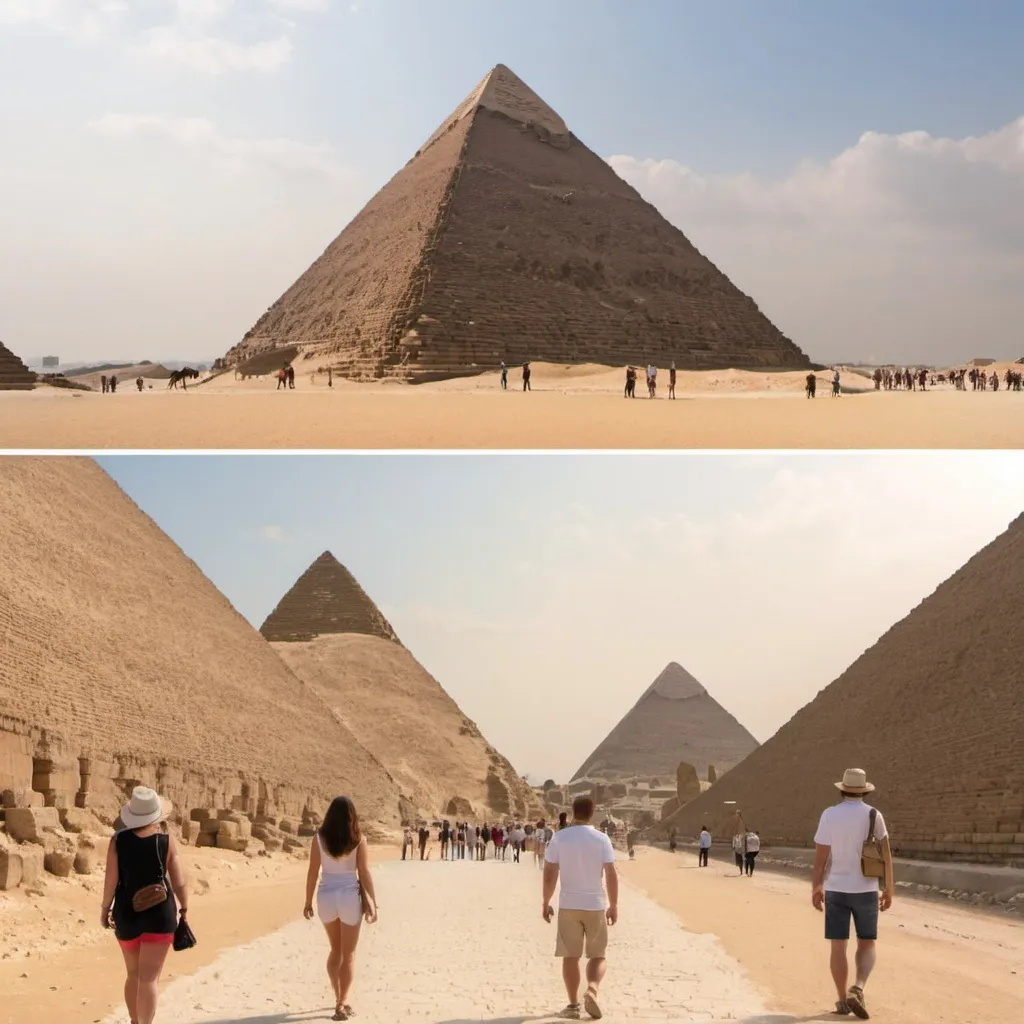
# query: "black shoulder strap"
{"points": [[871, 825], [159, 856]]}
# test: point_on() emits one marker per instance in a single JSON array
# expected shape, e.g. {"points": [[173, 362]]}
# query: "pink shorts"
{"points": [[158, 937]]}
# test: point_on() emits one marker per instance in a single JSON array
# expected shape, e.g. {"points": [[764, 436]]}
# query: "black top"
{"points": [[142, 862]]}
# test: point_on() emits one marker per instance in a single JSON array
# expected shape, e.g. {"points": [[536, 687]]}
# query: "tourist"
{"points": [[739, 849], [406, 839], [753, 846], [424, 837], [290, 372], [282, 378], [811, 385], [140, 383], [580, 859], [460, 840], [345, 896], [703, 846], [672, 381], [541, 837], [526, 377], [141, 859], [485, 838], [835, 384], [103, 383], [843, 831], [630, 844], [518, 842], [563, 820], [330, 378], [652, 379], [630, 382], [112, 384], [504, 377], [444, 835]]}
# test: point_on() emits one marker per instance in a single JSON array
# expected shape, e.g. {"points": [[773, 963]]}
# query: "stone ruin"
{"points": [[14, 374], [506, 238]]}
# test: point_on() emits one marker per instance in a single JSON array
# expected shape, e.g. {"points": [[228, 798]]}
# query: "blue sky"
{"points": [[555, 588], [171, 166]]}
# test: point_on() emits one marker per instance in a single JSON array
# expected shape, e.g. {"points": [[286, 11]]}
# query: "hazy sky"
{"points": [[171, 166], [546, 592]]}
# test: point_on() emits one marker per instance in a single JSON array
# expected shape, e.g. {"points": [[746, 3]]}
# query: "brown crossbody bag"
{"points": [[150, 896], [872, 860]]}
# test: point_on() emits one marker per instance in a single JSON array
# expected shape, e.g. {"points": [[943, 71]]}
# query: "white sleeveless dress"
{"points": [[337, 898]]}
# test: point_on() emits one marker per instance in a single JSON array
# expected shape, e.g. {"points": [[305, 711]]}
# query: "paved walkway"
{"points": [[461, 943]]}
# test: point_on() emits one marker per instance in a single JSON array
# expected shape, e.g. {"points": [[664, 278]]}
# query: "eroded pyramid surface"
{"points": [[14, 374], [934, 712], [675, 720], [506, 238]]}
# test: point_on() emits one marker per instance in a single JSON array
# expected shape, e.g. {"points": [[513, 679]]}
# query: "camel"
{"points": [[182, 375]]}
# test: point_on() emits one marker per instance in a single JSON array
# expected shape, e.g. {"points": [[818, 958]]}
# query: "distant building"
{"points": [[51, 362]]}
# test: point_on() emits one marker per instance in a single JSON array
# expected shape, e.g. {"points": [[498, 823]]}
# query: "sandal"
{"points": [[348, 1009], [842, 1008], [340, 1014], [855, 1001], [590, 1004], [571, 1012]]}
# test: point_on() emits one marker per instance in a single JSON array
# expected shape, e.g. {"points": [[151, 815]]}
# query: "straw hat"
{"points": [[855, 780], [145, 807]]}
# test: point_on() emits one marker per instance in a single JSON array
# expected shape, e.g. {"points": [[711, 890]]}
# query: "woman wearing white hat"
{"points": [[138, 902]]}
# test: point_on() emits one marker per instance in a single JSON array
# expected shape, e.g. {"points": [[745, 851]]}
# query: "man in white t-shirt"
{"points": [[846, 892], [703, 847], [581, 858]]}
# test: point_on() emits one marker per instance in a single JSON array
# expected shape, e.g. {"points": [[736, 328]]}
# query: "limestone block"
{"points": [[32, 863], [209, 827], [189, 830], [264, 832], [308, 830], [206, 839], [227, 830], [201, 814], [85, 862], [272, 844], [10, 867], [21, 796], [287, 825], [59, 862], [27, 824], [77, 819], [291, 844]]}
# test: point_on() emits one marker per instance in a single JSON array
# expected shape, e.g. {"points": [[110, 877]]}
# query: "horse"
{"points": [[182, 375]]}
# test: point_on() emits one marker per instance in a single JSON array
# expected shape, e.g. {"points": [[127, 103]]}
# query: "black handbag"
{"points": [[183, 936]]}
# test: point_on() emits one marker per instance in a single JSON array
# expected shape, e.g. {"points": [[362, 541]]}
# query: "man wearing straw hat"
{"points": [[847, 892]]}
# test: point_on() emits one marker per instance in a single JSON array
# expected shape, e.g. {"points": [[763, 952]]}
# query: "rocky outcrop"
{"points": [[506, 238]]}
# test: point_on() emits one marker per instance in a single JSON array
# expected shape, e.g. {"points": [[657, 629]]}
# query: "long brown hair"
{"points": [[340, 830]]}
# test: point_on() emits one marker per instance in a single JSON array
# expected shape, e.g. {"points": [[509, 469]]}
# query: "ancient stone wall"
{"points": [[14, 374], [934, 712]]}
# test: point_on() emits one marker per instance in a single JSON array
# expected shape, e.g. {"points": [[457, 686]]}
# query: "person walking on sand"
{"points": [[840, 843], [835, 385], [527, 372], [345, 896], [739, 849], [138, 902], [424, 836], [103, 383], [752, 842], [672, 381], [406, 840], [112, 384], [581, 861], [811, 385], [703, 846], [504, 377], [541, 838]]}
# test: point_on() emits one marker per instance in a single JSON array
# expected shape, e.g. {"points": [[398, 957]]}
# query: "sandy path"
{"points": [[937, 962], [460, 943], [404, 417]]}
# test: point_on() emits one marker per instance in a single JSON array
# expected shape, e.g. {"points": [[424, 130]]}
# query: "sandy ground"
{"points": [[570, 407], [460, 943]]}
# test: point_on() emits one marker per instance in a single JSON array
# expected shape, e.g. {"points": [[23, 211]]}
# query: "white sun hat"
{"points": [[145, 807], [855, 780]]}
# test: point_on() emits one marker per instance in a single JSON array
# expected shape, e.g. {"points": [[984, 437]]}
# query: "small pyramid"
{"points": [[675, 720], [506, 238], [325, 599], [933, 712], [14, 374]]}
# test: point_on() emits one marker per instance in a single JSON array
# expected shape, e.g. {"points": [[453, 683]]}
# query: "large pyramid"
{"points": [[934, 712], [14, 374], [675, 720], [347, 653], [120, 661], [505, 238], [325, 599]]}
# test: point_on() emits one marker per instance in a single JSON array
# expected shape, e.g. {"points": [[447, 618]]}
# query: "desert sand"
{"points": [[569, 407], [463, 942]]}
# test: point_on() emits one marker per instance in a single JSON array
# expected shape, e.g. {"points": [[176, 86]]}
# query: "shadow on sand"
{"points": [[310, 1016]]}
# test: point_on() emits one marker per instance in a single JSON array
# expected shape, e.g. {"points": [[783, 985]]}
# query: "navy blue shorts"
{"points": [[841, 906]]}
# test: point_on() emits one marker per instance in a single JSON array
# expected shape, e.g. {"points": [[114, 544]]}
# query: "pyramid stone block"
{"points": [[506, 238], [14, 374], [675, 720], [934, 712]]}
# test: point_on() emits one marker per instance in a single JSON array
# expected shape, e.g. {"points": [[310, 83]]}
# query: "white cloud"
{"points": [[231, 154], [313, 6], [272, 533], [213, 55], [87, 20], [902, 246]]}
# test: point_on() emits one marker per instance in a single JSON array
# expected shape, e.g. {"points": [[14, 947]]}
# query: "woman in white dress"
{"points": [[338, 857]]}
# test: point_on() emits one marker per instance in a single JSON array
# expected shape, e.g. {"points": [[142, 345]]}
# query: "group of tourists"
{"points": [[463, 841], [652, 381], [893, 379], [286, 378], [811, 385], [145, 896], [527, 373]]}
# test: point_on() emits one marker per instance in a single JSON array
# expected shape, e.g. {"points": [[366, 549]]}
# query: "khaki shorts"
{"points": [[582, 932]]}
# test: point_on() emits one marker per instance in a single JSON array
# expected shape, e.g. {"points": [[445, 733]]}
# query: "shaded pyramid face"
{"points": [[505, 238], [934, 712], [118, 650], [14, 374], [325, 599], [675, 720], [331, 635]]}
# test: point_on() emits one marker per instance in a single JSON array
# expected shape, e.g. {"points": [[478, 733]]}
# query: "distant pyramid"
{"points": [[14, 374], [122, 662], [934, 712], [325, 599], [675, 720], [505, 238], [331, 635]]}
